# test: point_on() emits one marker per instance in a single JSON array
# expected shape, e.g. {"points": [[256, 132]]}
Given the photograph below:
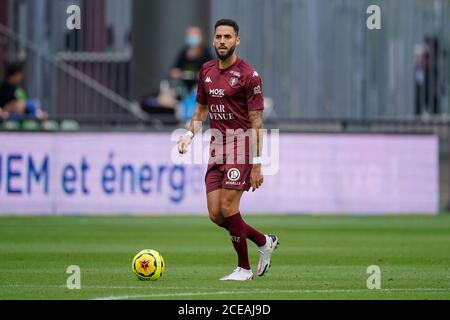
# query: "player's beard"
{"points": [[225, 56]]}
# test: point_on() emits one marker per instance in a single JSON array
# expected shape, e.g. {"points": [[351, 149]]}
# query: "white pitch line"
{"points": [[254, 291], [182, 294], [25, 286]]}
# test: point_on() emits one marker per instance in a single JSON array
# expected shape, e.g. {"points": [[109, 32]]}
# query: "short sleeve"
{"points": [[201, 95], [255, 98]]}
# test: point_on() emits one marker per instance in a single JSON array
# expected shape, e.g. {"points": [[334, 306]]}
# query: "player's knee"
{"points": [[226, 207], [216, 218]]}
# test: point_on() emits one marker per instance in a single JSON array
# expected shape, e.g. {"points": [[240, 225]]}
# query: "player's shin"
{"points": [[254, 235], [236, 227]]}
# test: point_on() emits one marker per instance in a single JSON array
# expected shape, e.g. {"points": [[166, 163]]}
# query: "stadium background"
{"points": [[355, 130], [323, 71]]}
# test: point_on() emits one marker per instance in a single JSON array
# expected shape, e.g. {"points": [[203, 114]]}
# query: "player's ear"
{"points": [[238, 40]]}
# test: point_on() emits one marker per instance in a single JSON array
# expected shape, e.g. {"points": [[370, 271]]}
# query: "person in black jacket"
{"points": [[190, 58], [13, 98]]}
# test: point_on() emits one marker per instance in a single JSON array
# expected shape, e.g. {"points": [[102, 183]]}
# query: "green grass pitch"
{"points": [[320, 257]]}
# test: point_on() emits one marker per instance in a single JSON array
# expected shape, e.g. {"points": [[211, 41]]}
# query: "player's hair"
{"points": [[13, 69], [228, 22]]}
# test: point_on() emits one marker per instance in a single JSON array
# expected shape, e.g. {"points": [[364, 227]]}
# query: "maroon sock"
{"points": [[224, 225], [236, 227], [257, 237], [254, 235]]}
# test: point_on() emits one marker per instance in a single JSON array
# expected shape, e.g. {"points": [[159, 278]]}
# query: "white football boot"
{"points": [[265, 252], [239, 274]]}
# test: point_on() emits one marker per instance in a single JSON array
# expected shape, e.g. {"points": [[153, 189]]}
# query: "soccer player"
{"points": [[230, 91]]}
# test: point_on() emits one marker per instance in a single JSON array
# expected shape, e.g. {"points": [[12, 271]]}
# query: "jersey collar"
{"points": [[223, 70]]}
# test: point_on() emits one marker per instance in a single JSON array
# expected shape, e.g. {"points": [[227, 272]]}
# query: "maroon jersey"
{"points": [[230, 94]]}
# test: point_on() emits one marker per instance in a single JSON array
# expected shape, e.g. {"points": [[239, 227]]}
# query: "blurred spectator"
{"points": [[13, 98], [419, 78], [176, 99], [190, 58], [429, 76], [187, 106], [161, 104]]}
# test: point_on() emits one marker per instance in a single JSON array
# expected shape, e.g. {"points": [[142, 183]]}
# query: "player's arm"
{"points": [[256, 176], [255, 103], [200, 115]]}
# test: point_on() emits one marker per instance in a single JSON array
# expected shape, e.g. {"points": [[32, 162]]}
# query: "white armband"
{"points": [[257, 160]]}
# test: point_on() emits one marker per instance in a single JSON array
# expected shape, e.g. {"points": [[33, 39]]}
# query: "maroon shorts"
{"points": [[228, 176]]}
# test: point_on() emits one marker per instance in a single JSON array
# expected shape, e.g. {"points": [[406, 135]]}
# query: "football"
{"points": [[148, 264]]}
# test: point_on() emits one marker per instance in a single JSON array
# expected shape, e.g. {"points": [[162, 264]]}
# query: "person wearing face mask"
{"points": [[190, 58]]}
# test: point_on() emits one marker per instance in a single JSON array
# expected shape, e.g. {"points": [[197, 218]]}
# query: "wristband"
{"points": [[257, 160], [189, 134]]}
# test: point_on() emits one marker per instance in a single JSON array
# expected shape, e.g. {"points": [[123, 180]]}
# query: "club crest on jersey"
{"points": [[257, 90], [233, 81]]}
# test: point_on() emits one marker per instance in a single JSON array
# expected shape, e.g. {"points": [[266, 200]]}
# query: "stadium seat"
{"points": [[70, 125], [11, 125], [31, 125], [50, 125]]}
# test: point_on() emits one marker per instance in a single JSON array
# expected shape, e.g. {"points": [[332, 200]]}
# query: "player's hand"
{"points": [[184, 142], [256, 177]]}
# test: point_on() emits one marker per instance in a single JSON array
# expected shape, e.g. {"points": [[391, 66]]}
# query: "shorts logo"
{"points": [[233, 174], [233, 81]]}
